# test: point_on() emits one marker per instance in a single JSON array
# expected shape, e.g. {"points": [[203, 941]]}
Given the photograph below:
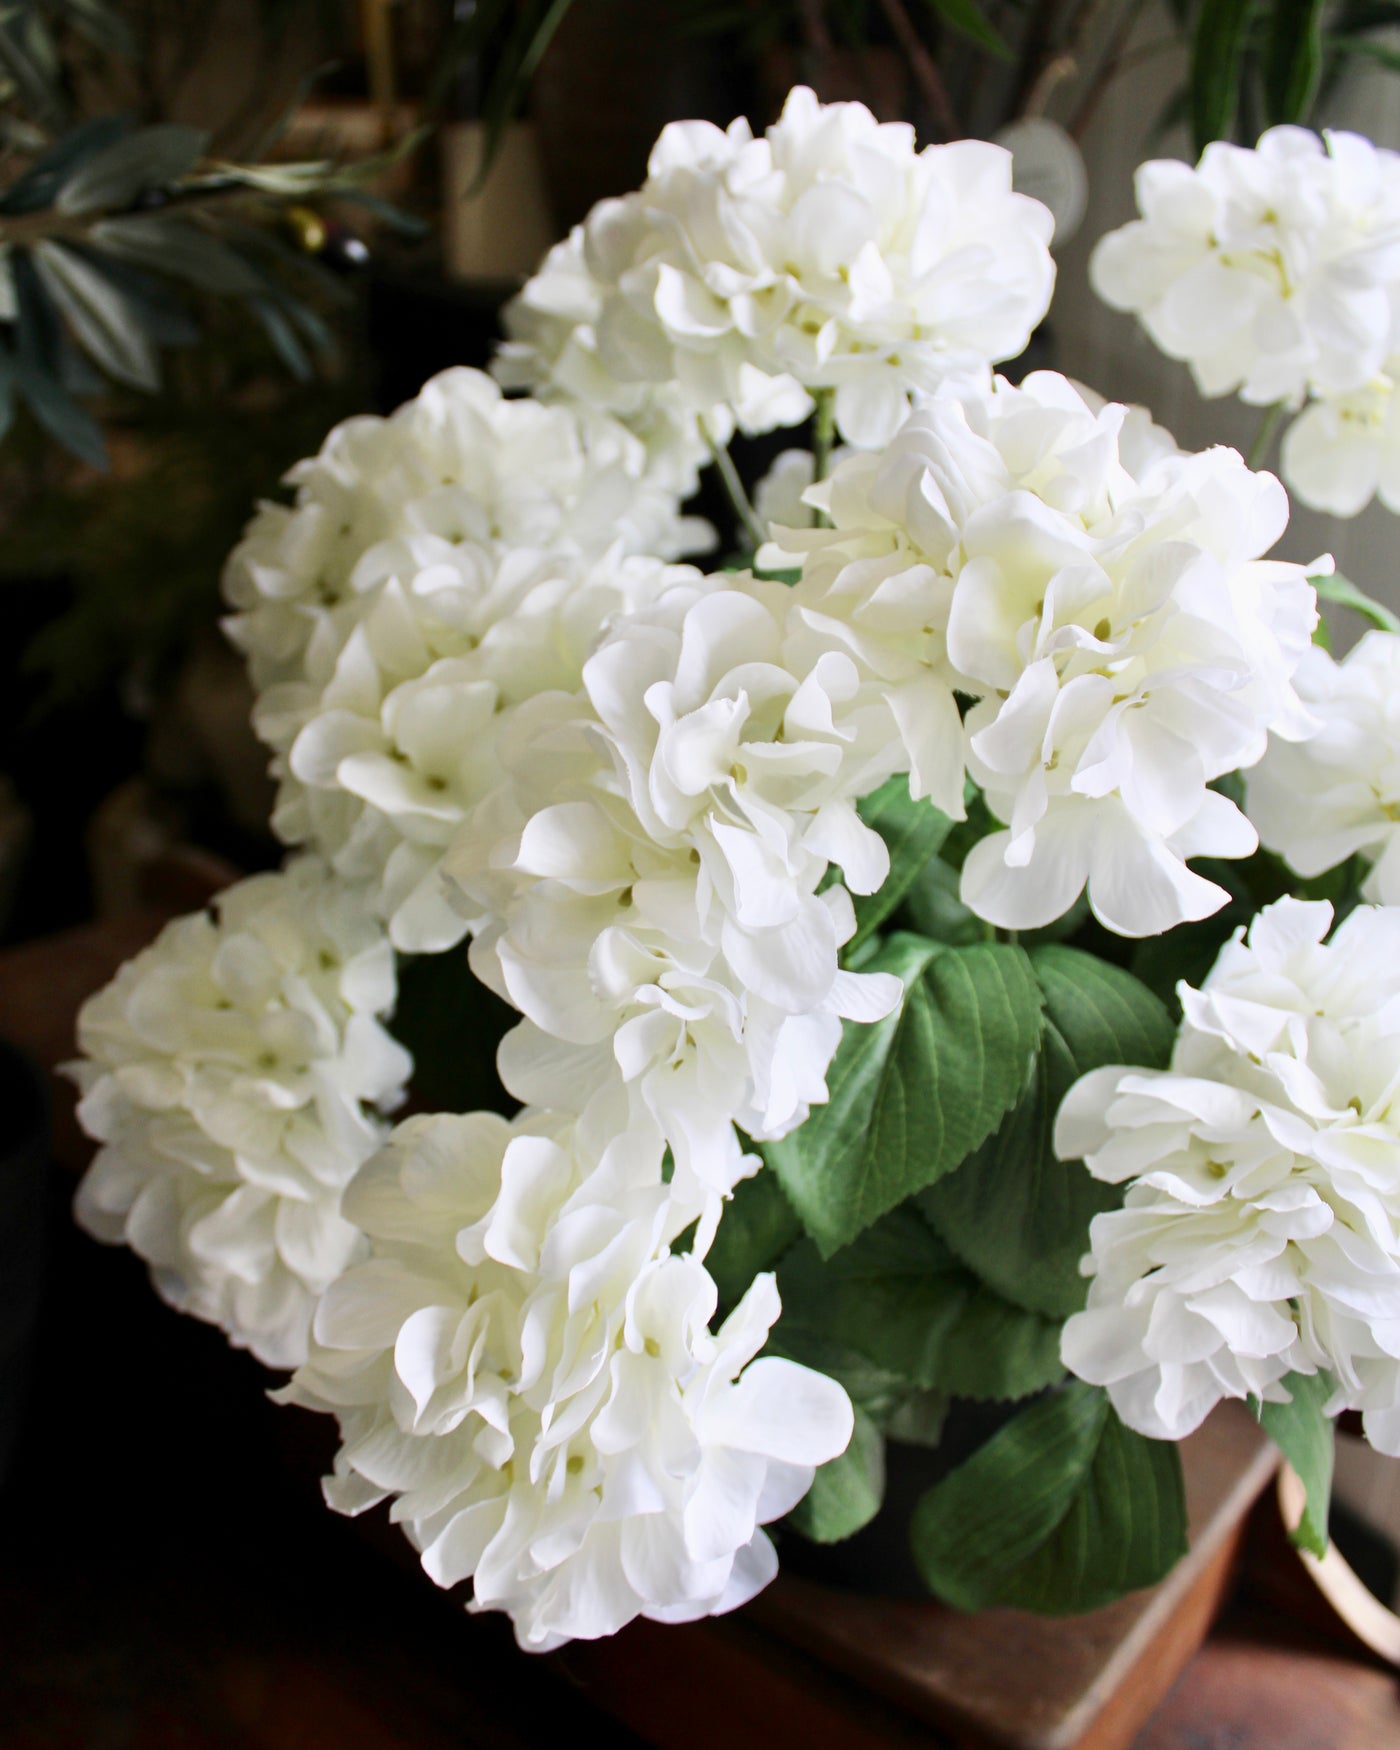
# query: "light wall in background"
{"points": [[1109, 351]]}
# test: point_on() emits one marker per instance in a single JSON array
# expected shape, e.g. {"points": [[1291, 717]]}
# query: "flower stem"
{"points": [[734, 487], [823, 432], [1264, 437], [823, 436]]}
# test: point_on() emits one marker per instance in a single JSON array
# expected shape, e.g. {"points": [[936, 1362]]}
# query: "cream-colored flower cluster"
{"points": [[1336, 793], [523, 1364], [1275, 273], [437, 567], [1105, 601], [234, 1073], [1260, 1235], [747, 274]]}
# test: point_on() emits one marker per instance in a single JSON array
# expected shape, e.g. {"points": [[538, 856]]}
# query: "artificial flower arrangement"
{"points": [[904, 1011]]}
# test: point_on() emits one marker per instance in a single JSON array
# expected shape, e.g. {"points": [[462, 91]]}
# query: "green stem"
{"points": [[1264, 437], [734, 487], [823, 439], [823, 432]]}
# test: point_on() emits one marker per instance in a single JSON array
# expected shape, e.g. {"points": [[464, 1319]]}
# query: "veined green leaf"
{"points": [[899, 1297], [911, 1096], [934, 907], [912, 831], [283, 336], [847, 1492], [1063, 1510], [1306, 1438], [1014, 1212]]}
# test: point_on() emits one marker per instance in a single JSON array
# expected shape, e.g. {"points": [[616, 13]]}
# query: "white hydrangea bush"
{"points": [[748, 854], [235, 1073]]}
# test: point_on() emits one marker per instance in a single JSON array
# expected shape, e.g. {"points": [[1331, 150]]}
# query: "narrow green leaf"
{"points": [[1344, 594], [173, 246], [1217, 51], [151, 157], [1293, 59], [61, 416], [899, 1297], [39, 185], [969, 20], [1063, 1510], [847, 1492], [1014, 1213], [283, 337], [103, 28], [1362, 15], [524, 50], [1306, 1438], [7, 390], [27, 56], [912, 831], [913, 1095], [105, 322], [1364, 49], [41, 354]]}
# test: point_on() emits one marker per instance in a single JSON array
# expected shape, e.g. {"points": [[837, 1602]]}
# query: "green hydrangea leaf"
{"points": [[913, 1095], [1063, 1510]]}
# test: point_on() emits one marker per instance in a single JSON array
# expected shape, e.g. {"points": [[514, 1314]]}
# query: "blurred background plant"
{"points": [[189, 197], [962, 68]]}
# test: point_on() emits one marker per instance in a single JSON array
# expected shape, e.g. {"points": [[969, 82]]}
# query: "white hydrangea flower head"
{"points": [[1337, 793], [650, 875], [780, 496], [552, 350], [1344, 450], [398, 735], [1270, 271], [455, 480], [233, 1073], [1103, 598], [526, 1368], [828, 254], [1260, 1234]]}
